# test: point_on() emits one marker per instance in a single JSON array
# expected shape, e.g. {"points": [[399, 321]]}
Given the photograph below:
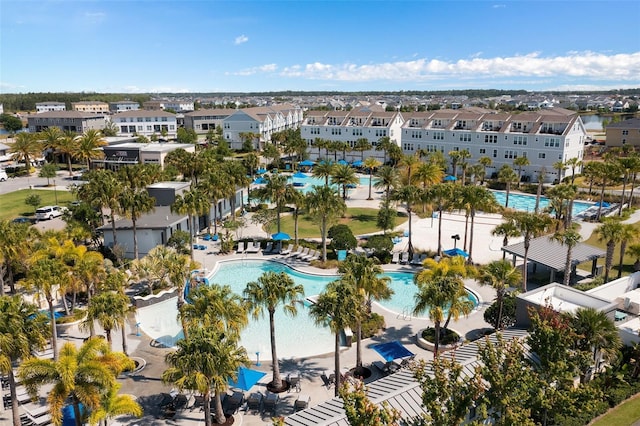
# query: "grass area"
{"points": [[360, 220], [624, 414], [627, 263], [13, 204]]}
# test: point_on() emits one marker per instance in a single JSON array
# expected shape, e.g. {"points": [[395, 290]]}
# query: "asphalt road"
{"points": [[62, 181]]}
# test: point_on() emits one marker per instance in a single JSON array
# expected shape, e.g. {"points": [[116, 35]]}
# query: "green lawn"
{"points": [[13, 203], [360, 220], [624, 414], [627, 263]]}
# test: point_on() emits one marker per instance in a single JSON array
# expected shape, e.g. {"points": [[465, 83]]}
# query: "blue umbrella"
{"points": [[604, 204], [456, 252], [450, 178], [343, 162], [300, 175], [246, 378], [281, 236], [357, 163], [261, 171], [69, 416], [260, 181], [307, 163], [392, 350]]}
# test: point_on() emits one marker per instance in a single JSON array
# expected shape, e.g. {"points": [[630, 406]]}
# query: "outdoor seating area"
{"points": [[31, 413]]}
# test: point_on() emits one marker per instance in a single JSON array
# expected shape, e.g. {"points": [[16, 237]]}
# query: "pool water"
{"points": [[528, 202], [306, 184]]}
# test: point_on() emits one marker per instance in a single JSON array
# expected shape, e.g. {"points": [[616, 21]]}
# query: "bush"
{"points": [[447, 336], [372, 325], [342, 238], [379, 243], [508, 312]]}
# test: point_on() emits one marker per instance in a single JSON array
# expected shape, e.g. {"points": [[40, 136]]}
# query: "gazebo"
{"points": [[552, 254]]}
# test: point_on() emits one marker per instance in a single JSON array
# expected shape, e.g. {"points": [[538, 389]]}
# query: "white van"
{"points": [[3, 176], [48, 212]]}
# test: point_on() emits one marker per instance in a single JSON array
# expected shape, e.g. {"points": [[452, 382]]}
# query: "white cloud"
{"points": [[585, 65], [266, 69], [241, 39], [94, 17]]}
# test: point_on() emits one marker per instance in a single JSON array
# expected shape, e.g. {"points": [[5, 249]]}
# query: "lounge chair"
{"points": [[254, 402], [294, 382], [267, 249], [240, 247], [395, 258], [234, 402], [309, 256], [287, 250], [270, 402], [198, 402], [404, 258], [303, 253], [297, 252], [302, 402], [417, 259], [406, 362], [253, 248]]}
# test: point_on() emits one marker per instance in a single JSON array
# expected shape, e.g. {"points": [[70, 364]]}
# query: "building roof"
{"points": [[160, 218], [170, 185], [143, 113], [550, 253], [89, 103], [66, 114], [151, 147], [632, 123], [50, 103], [400, 390], [563, 298], [210, 112]]}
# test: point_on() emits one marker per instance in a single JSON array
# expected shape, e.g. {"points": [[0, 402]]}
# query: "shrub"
{"points": [[372, 325], [342, 238], [447, 336], [508, 312], [379, 244]]}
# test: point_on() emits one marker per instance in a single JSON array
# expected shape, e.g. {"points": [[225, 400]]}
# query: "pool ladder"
{"points": [[406, 313]]}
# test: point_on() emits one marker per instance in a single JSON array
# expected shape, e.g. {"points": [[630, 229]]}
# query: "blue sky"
{"points": [[243, 46]]}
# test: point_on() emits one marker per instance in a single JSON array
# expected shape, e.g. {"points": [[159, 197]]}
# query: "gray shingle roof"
{"points": [[551, 253]]}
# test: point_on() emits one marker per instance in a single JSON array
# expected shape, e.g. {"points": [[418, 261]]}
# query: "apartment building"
{"points": [[203, 120], [74, 121], [147, 123], [90, 106], [122, 106], [370, 122], [178, 106], [127, 153], [626, 132], [50, 106], [261, 121]]}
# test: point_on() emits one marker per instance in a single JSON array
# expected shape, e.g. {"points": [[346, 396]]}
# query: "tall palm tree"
{"points": [[109, 309], [344, 175], [561, 199], [574, 163], [385, 144], [112, 405], [520, 163], [432, 296], [22, 330], [80, 375], [629, 233], [500, 274], [193, 203], [67, 146], [134, 200], [629, 167], [409, 164], [387, 179], [478, 198], [605, 173], [540, 183], [298, 199], [13, 248], [464, 164], [324, 169], [454, 157], [610, 232], [507, 230], [87, 146], [530, 225], [267, 293], [214, 307], [51, 137], [325, 205], [214, 183], [371, 164], [598, 335], [337, 306], [569, 237], [485, 162], [507, 176], [428, 174], [362, 145], [276, 191], [560, 166], [25, 148], [103, 189], [203, 362], [441, 197], [366, 276], [409, 195]]}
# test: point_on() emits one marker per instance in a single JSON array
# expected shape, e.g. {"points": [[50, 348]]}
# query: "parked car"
{"points": [[49, 212], [21, 219]]}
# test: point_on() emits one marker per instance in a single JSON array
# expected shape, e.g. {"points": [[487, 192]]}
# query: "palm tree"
{"points": [[560, 166], [214, 307], [478, 198], [540, 181], [22, 330], [104, 189], [464, 155], [507, 176], [598, 335], [485, 162], [611, 232], [441, 196], [193, 203], [344, 175], [13, 248], [569, 237], [574, 163], [507, 229], [87, 148], [80, 375], [500, 274], [362, 145], [431, 295], [214, 183], [561, 199], [429, 174], [605, 172], [67, 146], [276, 191], [298, 200], [25, 148], [454, 157], [109, 309], [629, 233], [409, 164], [206, 360], [324, 169], [337, 306], [530, 225], [113, 405], [387, 178], [325, 205], [409, 195], [273, 289], [134, 198], [366, 276], [385, 144], [51, 138], [520, 163], [370, 164], [629, 166]]}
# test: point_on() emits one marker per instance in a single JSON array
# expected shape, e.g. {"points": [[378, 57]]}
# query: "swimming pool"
{"points": [[528, 202], [306, 184]]}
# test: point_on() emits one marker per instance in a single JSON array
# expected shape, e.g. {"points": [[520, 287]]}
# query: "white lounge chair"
{"points": [[297, 252], [312, 254], [287, 250], [240, 247], [303, 253], [395, 258], [253, 247], [417, 259], [404, 258]]}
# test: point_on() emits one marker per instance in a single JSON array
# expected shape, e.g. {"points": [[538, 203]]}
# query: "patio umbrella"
{"points": [[307, 163], [343, 162], [281, 236], [246, 378], [450, 178], [357, 163], [392, 350], [604, 204], [260, 181], [300, 175], [261, 171], [456, 252]]}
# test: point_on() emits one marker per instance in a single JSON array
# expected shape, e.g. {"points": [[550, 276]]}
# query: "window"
{"points": [[335, 131], [495, 153], [132, 129], [438, 136], [408, 147], [437, 123], [510, 154], [465, 137], [123, 129], [416, 134], [552, 142], [139, 119], [490, 138], [164, 119], [140, 128], [149, 128], [147, 119], [625, 133], [483, 151], [519, 140]]}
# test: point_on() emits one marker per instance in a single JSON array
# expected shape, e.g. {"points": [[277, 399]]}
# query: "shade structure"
{"points": [[392, 350], [357, 163], [456, 252], [307, 163], [300, 175], [281, 236], [450, 178], [246, 378], [343, 162]]}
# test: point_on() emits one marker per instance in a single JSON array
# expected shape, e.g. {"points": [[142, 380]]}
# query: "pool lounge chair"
{"points": [[270, 403], [254, 402], [254, 247], [417, 259], [294, 382], [303, 253], [404, 258], [302, 402], [268, 248], [234, 402], [297, 252], [309, 256], [240, 247], [287, 250], [395, 258]]}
